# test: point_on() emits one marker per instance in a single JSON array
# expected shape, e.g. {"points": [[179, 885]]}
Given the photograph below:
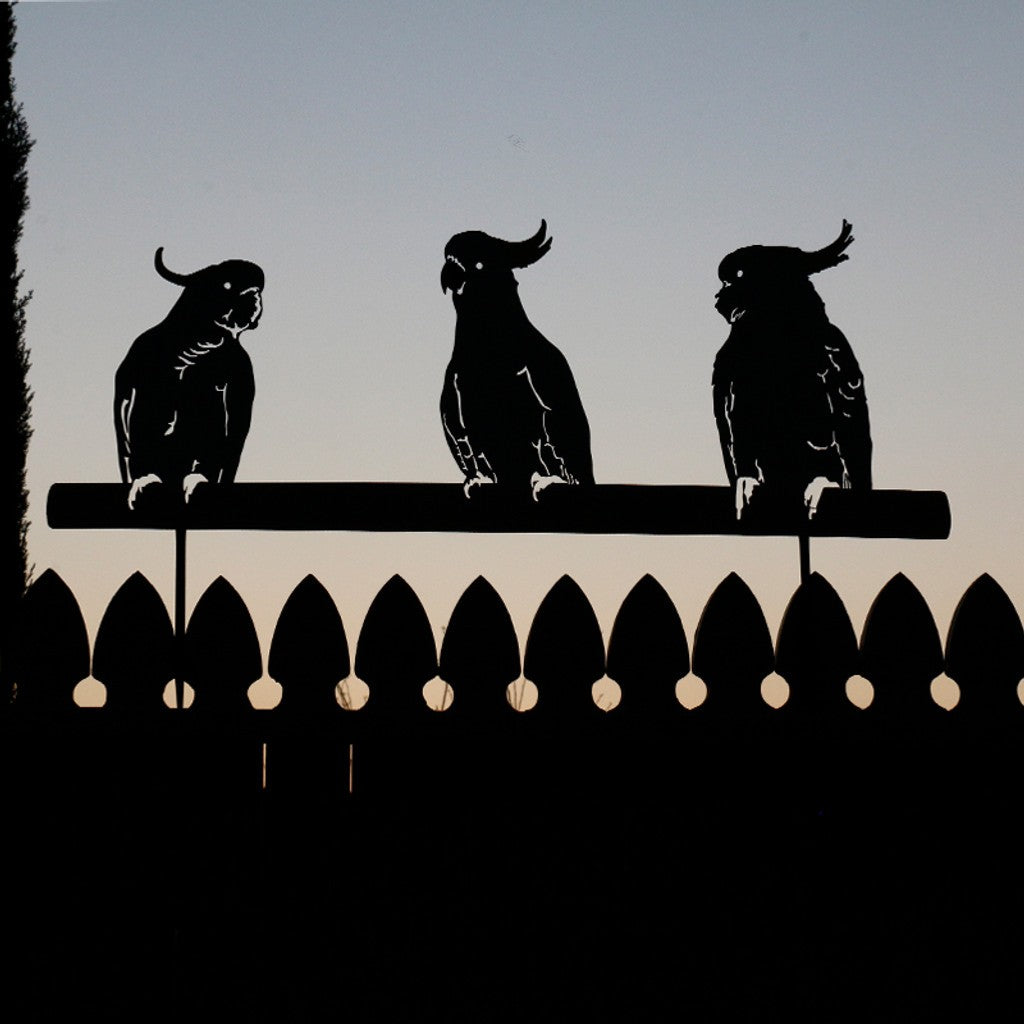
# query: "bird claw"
{"points": [[539, 483], [139, 485], [191, 482], [475, 481], [745, 487], [812, 493]]}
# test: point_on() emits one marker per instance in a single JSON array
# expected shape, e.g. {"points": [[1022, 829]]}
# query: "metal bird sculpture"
{"points": [[183, 394], [788, 392], [510, 408]]}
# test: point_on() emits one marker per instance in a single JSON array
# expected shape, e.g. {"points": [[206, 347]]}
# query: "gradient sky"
{"points": [[339, 145]]}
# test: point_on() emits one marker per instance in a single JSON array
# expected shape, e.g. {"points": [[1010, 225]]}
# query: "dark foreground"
{"points": [[698, 873]]}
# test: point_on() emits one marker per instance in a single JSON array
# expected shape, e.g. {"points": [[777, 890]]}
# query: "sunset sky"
{"points": [[340, 145]]}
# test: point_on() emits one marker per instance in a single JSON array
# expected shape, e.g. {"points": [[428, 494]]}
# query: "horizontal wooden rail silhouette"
{"points": [[674, 510]]}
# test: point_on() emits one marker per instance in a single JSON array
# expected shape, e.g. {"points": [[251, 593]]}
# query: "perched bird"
{"points": [[183, 394], [788, 393], [510, 408]]}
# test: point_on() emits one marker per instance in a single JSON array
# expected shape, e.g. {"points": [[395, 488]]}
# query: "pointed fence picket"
{"points": [[900, 652], [395, 743], [734, 751], [733, 810]]}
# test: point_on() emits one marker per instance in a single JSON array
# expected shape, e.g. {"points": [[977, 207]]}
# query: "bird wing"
{"points": [[563, 446], [844, 386], [455, 431], [124, 411], [735, 431], [237, 393], [144, 417]]}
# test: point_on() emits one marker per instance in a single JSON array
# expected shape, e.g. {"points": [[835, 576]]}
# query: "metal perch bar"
{"points": [[666, 510]]}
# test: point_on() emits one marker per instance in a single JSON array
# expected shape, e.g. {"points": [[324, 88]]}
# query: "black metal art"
{"points": [[183, 394], [672, 510], [510, 407], [789, 400], [788, 392], [383, 790]]}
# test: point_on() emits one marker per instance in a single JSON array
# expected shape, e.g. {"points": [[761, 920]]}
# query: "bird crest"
{"points": [[474, 254]]}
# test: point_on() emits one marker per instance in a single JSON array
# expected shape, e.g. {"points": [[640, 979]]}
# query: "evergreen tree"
{"points": [[15, 396]]}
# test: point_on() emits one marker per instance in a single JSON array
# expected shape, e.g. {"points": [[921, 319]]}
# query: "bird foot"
{"points": [[139, 485], [745, 487], [539, 483], [475, 481], [191, 482], [812, 493]]}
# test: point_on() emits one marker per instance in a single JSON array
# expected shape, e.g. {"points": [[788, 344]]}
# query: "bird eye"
{"points": [[479, 266]]}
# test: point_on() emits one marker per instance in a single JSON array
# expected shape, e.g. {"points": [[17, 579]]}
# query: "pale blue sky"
{"points": [[339, 145]]}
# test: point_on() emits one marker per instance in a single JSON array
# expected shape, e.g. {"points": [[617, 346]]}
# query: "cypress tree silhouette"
{"points": [[15, 396]]}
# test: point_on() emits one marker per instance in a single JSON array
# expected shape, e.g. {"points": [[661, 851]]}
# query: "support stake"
{"points": [[179, 617]]}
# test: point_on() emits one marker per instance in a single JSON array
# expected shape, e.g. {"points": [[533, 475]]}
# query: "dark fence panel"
{"points": [[820, 856]]}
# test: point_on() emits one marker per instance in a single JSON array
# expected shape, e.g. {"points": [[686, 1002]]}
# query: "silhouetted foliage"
{"points": [[15, 396]]}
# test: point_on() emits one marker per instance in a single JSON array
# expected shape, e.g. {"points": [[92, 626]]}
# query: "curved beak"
{"points": [[728, 306], [452, 276]]}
